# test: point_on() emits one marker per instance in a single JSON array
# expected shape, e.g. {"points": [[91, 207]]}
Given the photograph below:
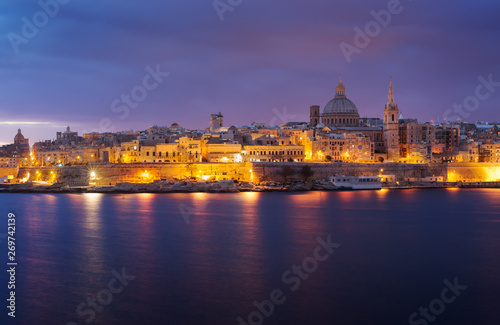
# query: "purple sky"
{"points": [[265, 57]]}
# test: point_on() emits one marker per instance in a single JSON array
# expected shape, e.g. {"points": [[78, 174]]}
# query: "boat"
{"points": [[356, 182]]}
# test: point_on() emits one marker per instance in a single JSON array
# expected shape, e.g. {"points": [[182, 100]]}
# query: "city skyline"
{"points": [[71, 71]]}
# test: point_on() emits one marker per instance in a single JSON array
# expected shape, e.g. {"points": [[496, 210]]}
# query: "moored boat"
{"points": [[356, 182]]}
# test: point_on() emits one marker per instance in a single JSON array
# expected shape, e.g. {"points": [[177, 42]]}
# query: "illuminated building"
{"points": [[489, 152], [416, 142], [216, 122], [339, 111], [347, 147], [391, 127], [222, 152], [273, 153]]}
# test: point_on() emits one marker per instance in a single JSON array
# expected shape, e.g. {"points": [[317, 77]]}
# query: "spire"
{"points": [[340, 90], [390, 98]]}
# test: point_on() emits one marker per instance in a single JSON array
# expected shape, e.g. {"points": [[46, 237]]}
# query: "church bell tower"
{"points": [[391, 127]]}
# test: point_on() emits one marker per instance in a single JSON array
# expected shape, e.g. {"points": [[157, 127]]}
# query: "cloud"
{"points": [[25, 123], [264, 55]]}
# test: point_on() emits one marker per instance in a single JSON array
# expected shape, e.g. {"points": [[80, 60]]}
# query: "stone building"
{"points": [[391, 127], [469, 151], [273, 153], [222, 152], [447, 138], [416, 141], [20, 147], [489, 152], [68, 137], [10, 162], [346, 147], [339, 111], [216, 122], [61, 157], [376, 135]]}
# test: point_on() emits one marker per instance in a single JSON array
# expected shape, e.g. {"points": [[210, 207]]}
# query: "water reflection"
{"points": [[91, 239], [237, 246]]}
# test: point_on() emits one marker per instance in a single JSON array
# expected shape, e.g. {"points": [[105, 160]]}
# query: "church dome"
{"points": [[19, 135], [340, 104]]}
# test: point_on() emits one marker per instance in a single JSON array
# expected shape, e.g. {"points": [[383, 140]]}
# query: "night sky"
{"points": [[267, 61]]}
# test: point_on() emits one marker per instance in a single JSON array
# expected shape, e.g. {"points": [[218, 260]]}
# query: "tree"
{"points": [[286, 172], [307, 172], [328, 158], [380, 159], [191, 168]]}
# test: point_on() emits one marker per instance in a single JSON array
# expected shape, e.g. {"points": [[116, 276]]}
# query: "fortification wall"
{"points": [[110, 174], [107, 174], [473, 172], [7, 171], [273, 171]]}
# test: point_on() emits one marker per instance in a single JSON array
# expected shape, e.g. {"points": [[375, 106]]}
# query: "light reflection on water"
{"points": [[397, 247]]}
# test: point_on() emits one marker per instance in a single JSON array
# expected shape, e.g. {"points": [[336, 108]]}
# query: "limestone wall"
{"points": [[273, 171], [8, 171], [107, 174], [110, 174], [473, 172]]}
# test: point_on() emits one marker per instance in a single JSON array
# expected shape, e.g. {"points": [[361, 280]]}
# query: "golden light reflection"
{"points": [[308, 199], [347, 196], [89, 230], [144, 206], [200, 201], [382, 194], [250, 196], [92, 206]]}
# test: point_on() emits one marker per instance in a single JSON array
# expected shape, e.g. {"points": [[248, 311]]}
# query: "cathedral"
{"points": [[340, 111], [20, 147], [341, 114]]}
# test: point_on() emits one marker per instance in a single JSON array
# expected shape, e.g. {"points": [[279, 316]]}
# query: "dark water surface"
{"points": [[397, 248]]}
